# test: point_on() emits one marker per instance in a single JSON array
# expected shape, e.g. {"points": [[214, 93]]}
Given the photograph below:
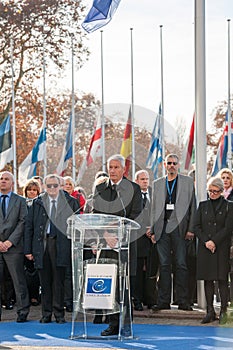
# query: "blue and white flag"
{"points": [[6, 150], [155, 156], [27, 168], [67, 150], [100, 14]]}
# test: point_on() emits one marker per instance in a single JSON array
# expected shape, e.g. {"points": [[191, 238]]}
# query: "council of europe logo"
{"points": [[99, 285]]}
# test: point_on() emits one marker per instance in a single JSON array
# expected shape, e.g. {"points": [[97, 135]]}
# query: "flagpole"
{"points": [[200, 114], [102, 111], [44, 108], [162, 99], [72, 112], [13, 118], [132, 106], [229, 152]]}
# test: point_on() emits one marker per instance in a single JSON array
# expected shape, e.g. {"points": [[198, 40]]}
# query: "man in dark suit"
{"points": [[46, 243], [118, 196], [173, 210], [145, 287], [12, 219]]}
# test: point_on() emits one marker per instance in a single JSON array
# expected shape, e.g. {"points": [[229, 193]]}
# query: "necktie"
{"points": [[52, 231], [4, 196], [144, 198], [114, 192]]}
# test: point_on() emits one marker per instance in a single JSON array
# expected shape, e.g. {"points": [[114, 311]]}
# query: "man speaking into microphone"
{"points": [[122, 197]]}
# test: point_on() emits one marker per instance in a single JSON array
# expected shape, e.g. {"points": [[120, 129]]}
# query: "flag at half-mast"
{"points": [[6, 149], [27, 168], [188, 152], [155, 155], [94, 151], [67, 151], [100, 14], [221, 157], [126, 146]]}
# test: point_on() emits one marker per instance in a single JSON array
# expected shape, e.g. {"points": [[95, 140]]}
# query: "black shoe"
{"points": [[21, 318], [161, 307], [35, 302], [97, 319], [111, 330], [209, 317], [106, 319], [45, 319], [69, 308], [185, 307], [138, 306], [60, 320], [223, 318], [9, 306]]}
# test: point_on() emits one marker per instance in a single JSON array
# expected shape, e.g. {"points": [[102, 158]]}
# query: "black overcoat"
{"points": [[37, 223], [215, 225]]}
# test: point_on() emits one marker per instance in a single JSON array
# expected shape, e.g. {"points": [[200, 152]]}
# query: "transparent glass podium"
{"points": [[100, 261]]}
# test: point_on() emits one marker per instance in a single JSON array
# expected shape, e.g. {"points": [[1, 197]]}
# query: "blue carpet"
{"points": [[147, 337]]}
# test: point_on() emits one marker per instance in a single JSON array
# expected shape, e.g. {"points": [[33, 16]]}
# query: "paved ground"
{"points": [[173, 316]]}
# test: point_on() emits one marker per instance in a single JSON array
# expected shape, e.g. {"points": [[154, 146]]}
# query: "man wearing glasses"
{"points": [[46, 243], [172, 213]]}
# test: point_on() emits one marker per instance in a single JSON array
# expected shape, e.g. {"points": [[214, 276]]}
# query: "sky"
{"points": [[145, 17]]}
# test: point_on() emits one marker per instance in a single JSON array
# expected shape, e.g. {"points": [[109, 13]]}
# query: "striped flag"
{"points": [[188, 153], [100, 14], [67, 150], [27, 168], [95, 149], [155, 156], [221, 157], [6, 150], [126, 147]]}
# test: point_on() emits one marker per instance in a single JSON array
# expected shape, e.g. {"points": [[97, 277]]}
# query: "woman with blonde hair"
{"points": [[227, 177], [69, 187], [213, 226]]}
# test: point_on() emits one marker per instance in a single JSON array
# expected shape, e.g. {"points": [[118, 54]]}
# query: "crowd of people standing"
{"points": [[36, 252]]}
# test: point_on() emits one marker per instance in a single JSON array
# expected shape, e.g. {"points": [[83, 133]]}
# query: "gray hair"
{"points": [[215, 181], [172, 155], [52, 176], [118, 157], [139, 172], [8, 173]]}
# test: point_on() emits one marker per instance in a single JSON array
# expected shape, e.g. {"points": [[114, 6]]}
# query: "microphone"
{"points": [[121, 200]]}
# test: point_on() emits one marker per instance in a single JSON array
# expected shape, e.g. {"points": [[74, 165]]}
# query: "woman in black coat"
{"points": [[213, 227]]}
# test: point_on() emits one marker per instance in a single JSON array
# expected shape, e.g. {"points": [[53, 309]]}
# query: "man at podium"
{"points": [[122, 197]]}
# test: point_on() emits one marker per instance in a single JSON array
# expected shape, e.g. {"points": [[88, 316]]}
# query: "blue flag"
{"points": [[100, 14], [27, 168], [67, 150], [6, 152], [221, 157], [155, 156]]}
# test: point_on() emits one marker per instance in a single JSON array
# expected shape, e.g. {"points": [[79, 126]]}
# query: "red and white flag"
{"points": [[189, 148], [95, 149]]}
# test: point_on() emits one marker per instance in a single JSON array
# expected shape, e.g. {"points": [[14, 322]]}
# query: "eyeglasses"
{"points": [[226, 178], [52, 185], [214, 191], [170, 163]]}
